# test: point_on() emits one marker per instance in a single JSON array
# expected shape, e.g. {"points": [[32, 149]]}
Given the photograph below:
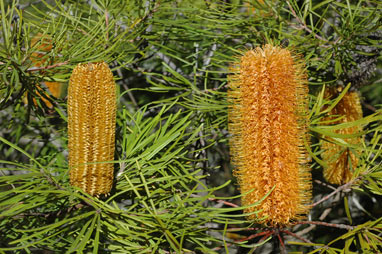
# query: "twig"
{"points": [[262, 240], [282, 245], [107, 24], [296, 236], [368, 106], [340, 188], [224, 202], [47, 67], [241, 229], [150, 13], [218, 200], [321, 223], [264, 233], [303, 25], [129, 93], [327, 211], [321, 218], [50, 179], [325, 184], [367, 238], [23, 215]]}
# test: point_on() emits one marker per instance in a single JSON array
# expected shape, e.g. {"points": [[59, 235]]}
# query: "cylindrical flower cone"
{"points": [[91, 127], [341, 160], [268, 122]]}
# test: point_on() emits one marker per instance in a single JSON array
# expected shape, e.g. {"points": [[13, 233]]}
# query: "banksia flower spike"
{"points": [[91, 127], [259, 8], [340, 159], [38, 60], [268, 122]]}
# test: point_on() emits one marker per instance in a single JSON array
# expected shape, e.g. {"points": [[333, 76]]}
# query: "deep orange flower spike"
{"points": [[91, 127], [340, 159], [268, 122]]}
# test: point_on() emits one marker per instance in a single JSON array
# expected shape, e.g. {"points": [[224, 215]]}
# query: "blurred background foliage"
{"points": [[174, 191]]}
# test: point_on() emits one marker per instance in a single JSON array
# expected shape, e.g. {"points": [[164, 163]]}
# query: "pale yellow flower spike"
{"points": [[91, 127], [340, 159], [268, 123], [38, 59]]}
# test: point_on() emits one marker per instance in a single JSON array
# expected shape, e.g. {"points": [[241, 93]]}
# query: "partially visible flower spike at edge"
{"points": [[341, 161], [268, 120], [91, 127], [38, 58]]}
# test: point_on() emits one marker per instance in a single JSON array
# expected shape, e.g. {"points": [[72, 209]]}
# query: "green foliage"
{"points": [[174, 192], [157, 201]]}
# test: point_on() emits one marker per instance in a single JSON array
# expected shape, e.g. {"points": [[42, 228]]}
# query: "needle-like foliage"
{"points": [[172, 186]]}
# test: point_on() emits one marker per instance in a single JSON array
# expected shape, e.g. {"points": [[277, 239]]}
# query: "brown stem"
{"points": [[224, 202], [340, 188], [129, 93], [303, 25], [241, 229], [264, 233], [368, 106], [47, 67], [107, 24], [282, 245], [321, 223], [296, 236], [325, 184]]}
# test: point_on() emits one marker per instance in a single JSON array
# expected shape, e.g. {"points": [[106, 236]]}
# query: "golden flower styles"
{"points": [[91, 127], [268, 122], [340, 159]]}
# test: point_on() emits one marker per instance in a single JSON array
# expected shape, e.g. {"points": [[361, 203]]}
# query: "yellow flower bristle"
{"points": [[341, 161], [91, 127], [268, 122]]}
